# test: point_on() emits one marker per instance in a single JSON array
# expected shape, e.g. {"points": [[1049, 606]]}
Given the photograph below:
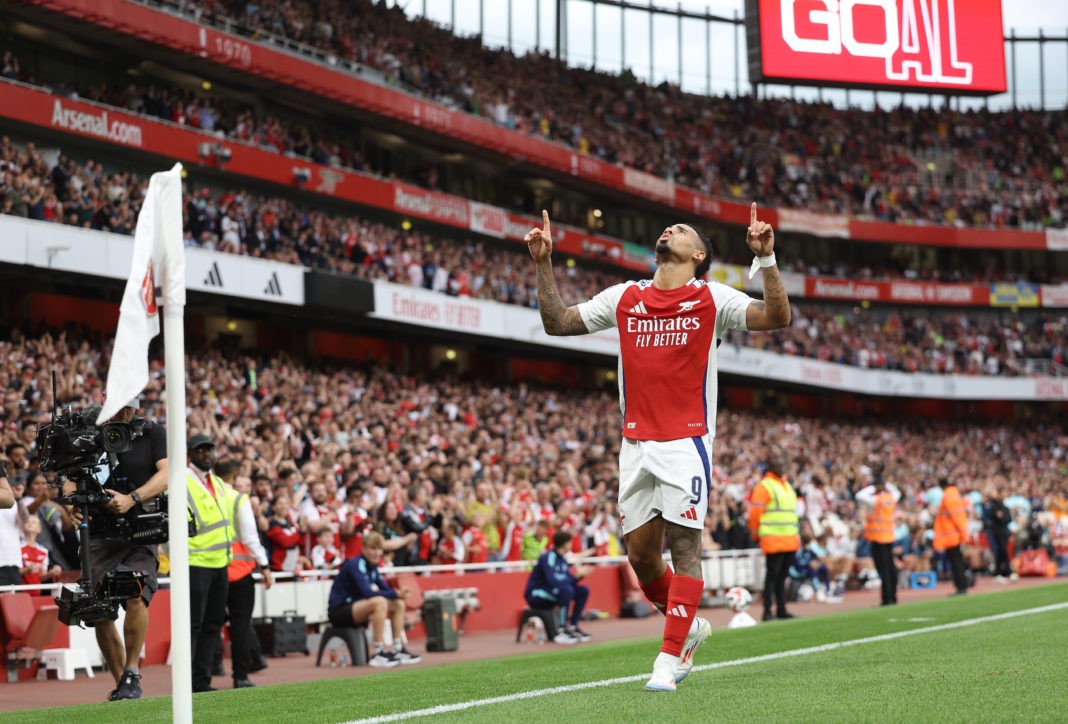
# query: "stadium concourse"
{"points": [[294, 668]]}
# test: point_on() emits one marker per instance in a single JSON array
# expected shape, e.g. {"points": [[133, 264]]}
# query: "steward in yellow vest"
{"points": [[209, 556], [773, 519]]}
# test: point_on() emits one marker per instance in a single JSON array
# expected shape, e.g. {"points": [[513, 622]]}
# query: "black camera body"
{"points": [[73, 440], [78, 606], [73, 445]]}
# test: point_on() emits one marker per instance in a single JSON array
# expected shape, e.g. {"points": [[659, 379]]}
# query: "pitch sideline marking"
{"points": [[519, 696]]}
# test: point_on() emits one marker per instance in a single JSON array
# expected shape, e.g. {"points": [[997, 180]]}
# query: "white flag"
{"points": [[157, 254]]}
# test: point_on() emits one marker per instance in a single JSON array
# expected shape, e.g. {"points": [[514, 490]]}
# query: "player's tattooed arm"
{"points": [[557, 318], [685, 547], [774, 311]]}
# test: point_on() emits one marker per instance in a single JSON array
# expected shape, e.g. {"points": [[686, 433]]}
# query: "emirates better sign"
{"points": [[946, 45]]}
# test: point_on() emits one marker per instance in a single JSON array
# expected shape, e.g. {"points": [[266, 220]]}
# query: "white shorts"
{"points": [[670, 478]]}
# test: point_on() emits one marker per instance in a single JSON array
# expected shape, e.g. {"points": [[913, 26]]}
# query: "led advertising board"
{"points": [[941, 46]]}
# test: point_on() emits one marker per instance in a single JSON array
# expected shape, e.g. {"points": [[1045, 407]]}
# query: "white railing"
{"points": [[721, 570]]}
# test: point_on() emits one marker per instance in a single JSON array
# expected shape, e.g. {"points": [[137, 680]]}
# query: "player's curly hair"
{"points": [[702, 269]]}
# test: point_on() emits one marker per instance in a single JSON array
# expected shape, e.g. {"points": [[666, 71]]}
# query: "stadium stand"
{"points": [[383, 431], [944, 342], [1006, 166]]}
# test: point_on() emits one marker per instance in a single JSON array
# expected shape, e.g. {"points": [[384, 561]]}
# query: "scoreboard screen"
{"points": [[943, 46]]}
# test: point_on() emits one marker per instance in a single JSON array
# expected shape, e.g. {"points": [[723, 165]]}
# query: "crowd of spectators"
{"points": [[950, 342], [1008, 167], [900, 339], [993, 168], [427, 458]]}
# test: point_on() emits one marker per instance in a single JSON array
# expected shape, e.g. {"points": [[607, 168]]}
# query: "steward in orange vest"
{"points": [[950, 532], [880, 502], [247, 557]]}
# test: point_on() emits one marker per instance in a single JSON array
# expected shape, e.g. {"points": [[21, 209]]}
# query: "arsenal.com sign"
{"points": [[955, 46]]}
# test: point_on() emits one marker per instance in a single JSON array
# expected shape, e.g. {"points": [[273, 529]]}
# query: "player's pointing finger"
{"points": [[752, 214], [545, 220]]}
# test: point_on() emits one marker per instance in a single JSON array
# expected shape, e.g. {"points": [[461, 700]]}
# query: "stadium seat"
{"points": [[28, 630], [355, 637], [66, 662], [414, 602]]}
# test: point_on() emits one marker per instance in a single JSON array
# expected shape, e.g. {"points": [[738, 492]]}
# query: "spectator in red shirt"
{"points": [[510, 525], [451, 548], [285, 535], [475, 539], [355, 524], [35, 569], [325, 556]]}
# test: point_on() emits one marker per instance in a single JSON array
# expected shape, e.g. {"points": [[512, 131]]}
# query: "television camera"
{"points": [[78, 449]]}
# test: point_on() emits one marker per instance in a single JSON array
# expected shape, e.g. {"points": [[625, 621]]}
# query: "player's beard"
{"points": [[662, 247]]}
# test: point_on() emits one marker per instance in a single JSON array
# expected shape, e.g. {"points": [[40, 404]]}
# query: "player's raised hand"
{"points": [[760, 236], [540, 241]]}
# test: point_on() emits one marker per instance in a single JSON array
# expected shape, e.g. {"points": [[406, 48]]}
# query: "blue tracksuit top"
{"points": [[551, 573], [357, 580]]}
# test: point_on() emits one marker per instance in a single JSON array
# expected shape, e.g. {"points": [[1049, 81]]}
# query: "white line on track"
{"points": [[519, 696]]}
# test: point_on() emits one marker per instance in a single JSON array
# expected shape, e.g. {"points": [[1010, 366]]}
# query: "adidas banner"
{"points": [[242, 276], [95, 253]]}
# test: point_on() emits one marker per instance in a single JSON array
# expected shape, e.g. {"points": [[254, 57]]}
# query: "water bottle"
{"points": [[530, 631]]}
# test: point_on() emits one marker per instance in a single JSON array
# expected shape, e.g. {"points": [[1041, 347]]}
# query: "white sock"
{"points": [[398, 644]]}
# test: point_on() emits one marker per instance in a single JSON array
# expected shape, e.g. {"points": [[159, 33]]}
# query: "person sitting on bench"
{"points": [[552, 583], [360, 595]]}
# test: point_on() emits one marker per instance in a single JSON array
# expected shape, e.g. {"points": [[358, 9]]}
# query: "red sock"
{"points": [[683, 598], [657, 591]]}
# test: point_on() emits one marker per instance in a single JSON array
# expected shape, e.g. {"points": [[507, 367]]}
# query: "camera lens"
{"points": [[116, 438]]}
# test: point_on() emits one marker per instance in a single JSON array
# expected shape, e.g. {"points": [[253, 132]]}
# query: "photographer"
{"points": [[136, 476]]}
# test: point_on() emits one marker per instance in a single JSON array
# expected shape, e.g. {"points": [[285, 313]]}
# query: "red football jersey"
{"points": [[667, 360], [34, 555]]}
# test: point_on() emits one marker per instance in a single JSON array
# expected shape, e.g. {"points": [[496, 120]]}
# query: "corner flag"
{"points": [[157, 245]]}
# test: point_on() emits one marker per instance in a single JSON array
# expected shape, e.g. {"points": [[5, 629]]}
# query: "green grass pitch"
{"points": [[1004, 669]]}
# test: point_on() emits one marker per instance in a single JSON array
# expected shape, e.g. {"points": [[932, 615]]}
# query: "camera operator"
{"points": [[139, 475]]}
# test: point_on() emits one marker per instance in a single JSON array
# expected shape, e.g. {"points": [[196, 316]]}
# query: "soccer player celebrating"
{"points": [[668, 327]]}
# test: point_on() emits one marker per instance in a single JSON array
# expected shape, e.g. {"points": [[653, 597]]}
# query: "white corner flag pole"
{"points": [[181, 645], [173, 279]]}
